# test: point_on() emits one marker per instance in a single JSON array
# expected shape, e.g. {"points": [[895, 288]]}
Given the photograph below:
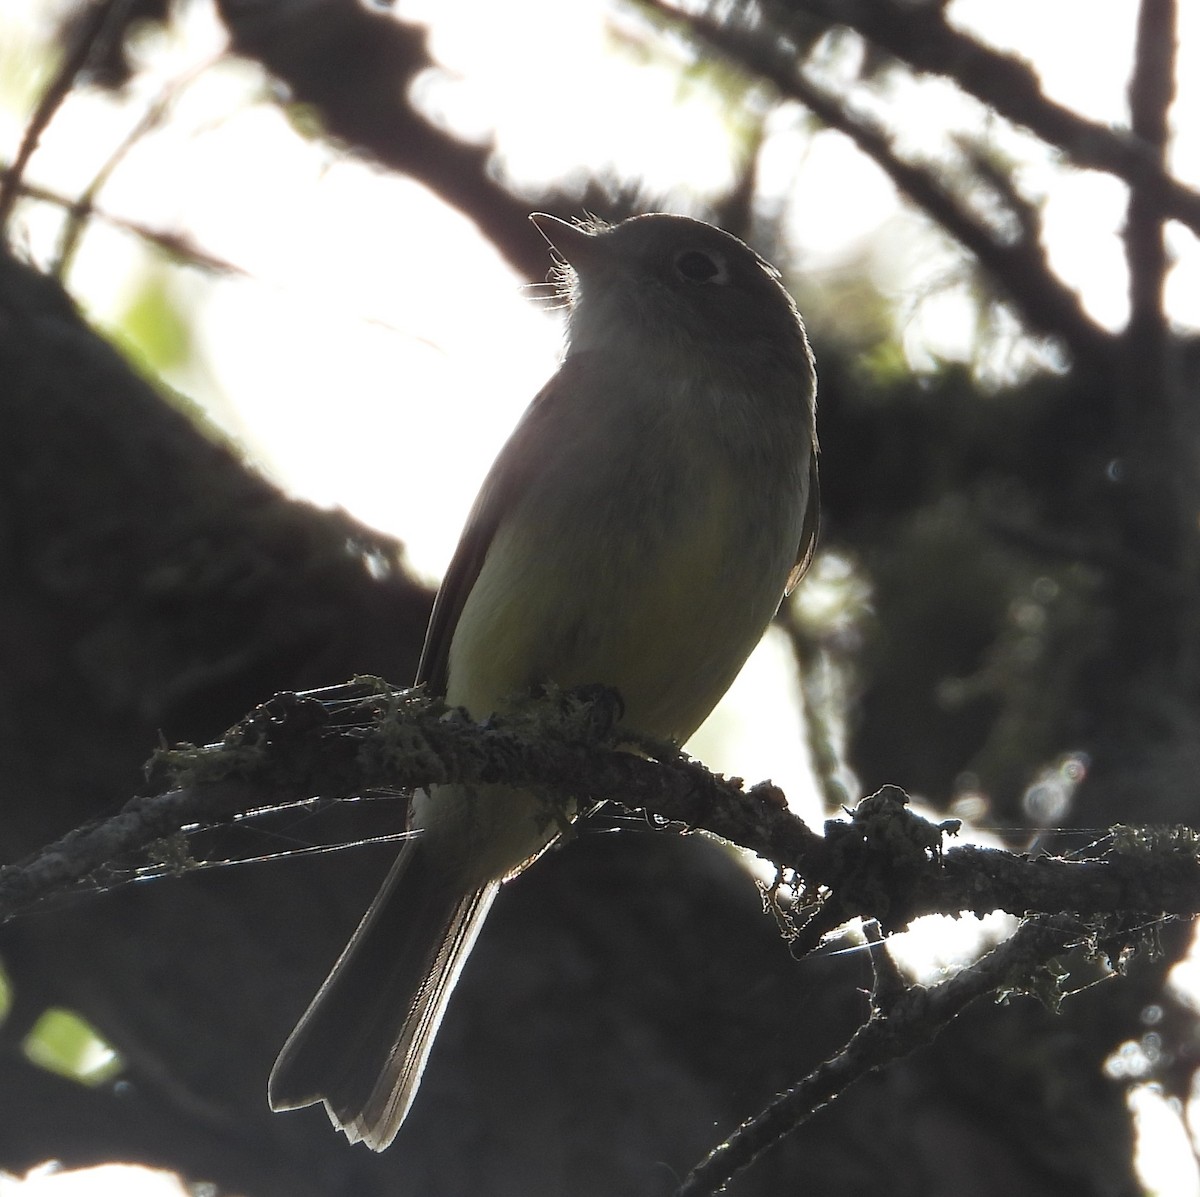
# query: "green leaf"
{"points": [[152, 329], [62, 1042]]}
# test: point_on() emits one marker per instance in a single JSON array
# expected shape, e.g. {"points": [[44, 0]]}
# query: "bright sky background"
{"points": [[364, 297]]}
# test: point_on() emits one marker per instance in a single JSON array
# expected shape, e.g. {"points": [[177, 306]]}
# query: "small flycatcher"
{"points": [[639, 529]]}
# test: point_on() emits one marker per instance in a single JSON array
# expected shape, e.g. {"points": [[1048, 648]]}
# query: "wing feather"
{"points": [[503, 486], [810, 527]]}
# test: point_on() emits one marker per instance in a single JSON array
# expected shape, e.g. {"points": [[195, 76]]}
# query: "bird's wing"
{"points": [[811, 525], [505, 483]]}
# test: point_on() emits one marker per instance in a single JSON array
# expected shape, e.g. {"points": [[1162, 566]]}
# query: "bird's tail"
{"points": [[363, 1042]]}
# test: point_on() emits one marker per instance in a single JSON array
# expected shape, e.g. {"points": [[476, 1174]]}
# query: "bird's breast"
{"points": [[655, 574]]}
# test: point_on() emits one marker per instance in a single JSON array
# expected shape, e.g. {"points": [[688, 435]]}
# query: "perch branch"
{"points": [[882, 861]]}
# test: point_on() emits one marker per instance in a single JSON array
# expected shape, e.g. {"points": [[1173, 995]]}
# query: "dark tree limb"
{"points": [[1017, 265], [1156, 423], [920, 35], [356, 65], [1151, 93]]}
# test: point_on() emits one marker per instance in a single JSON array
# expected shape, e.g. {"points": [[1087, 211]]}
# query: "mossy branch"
{"points": [[881, 861]]}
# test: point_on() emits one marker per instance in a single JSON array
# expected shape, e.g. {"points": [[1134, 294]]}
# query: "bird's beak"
{"points": [[579, 248]]}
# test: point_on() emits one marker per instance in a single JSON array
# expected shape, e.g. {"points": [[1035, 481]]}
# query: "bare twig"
{"points": [[81, 208], [176, 246], [899, 1023], [104, 20]]}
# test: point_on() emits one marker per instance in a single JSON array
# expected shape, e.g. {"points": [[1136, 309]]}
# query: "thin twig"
{"points": [[176, 246], [84, 205], [103, 20], [899, 1023]]}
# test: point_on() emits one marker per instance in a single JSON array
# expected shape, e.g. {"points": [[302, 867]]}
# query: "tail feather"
{"points": [[362, 1045]]}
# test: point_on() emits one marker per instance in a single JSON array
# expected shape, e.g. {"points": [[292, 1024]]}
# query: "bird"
{"points": [[640, 528]]}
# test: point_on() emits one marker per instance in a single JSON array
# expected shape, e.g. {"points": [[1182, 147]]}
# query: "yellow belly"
{"points": [[658, 582], [666, 617]]}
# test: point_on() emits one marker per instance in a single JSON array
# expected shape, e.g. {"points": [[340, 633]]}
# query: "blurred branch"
{"points": [[357, 65], [1017, 264], [1156, 421], [179, 248], [1151, 93], [823, 714], [902, 1019], [81, 208], [920, 35], [102, 22]]}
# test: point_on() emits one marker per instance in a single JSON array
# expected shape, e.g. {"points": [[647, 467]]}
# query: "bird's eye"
{"points": [[702, 266]]}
